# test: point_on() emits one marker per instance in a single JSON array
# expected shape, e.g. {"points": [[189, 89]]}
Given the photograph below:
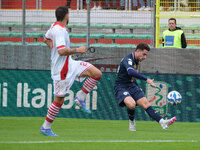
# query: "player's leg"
{"points": [[94, 75], [125, 99], [60, 90], [51, 115], [131, 104], [142, 102]]}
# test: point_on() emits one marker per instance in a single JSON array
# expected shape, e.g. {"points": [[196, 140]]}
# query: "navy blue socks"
{"points": [[153, 114], [131, 114]]}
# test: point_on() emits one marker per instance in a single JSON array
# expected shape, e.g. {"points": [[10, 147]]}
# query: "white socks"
{"points": [[81, 95], [47, 125], [161, 121]]}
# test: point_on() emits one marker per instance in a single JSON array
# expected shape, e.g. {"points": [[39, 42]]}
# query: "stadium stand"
{"points": [[191, 30]]}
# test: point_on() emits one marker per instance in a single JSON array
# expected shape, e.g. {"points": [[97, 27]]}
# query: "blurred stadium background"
{"points": [[25, 83], [114, 27]]}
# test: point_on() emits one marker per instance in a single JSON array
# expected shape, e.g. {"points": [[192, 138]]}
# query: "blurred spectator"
{"points": [[135, 5], [161, 5], [184, 2], [198, 5], [95, 5], [114, 6], [84, 4], [69, 3], [170, 4], [166, 5], [174, 36], [122, 5], [147, 8]]}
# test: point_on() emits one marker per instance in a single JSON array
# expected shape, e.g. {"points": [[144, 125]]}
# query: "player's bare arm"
{"points": [[49, 44], [68, 51]]}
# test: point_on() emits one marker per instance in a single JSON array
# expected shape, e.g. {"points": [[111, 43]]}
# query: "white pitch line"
{"points": [[93, 141]]}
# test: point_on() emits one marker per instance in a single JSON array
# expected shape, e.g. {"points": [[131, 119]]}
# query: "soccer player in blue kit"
{"points": [[127, 91]]}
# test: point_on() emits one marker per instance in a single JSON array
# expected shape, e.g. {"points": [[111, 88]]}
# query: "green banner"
{"points": [[30, 93]]}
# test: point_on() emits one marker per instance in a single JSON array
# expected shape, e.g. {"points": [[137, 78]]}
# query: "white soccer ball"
{"points": [[174, 98]]}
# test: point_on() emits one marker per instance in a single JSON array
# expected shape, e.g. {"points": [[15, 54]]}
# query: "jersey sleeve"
{"points": [[47, 35], [135, 74], [128, 64], [60, 39]]}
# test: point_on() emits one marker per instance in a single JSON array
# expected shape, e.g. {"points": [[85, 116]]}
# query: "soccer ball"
{"points": [[174, 98]]}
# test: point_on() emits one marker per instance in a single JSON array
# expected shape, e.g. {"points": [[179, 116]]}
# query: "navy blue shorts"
{"points": [[122, 91]]}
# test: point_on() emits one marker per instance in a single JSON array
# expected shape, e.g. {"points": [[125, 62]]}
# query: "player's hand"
{"points": [[150, 81], [81, 49]]}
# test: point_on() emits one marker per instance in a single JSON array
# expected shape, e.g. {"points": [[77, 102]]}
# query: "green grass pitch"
{"points": [[22, 133]]}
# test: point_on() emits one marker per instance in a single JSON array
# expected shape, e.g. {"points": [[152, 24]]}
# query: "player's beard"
{"points": [[141, 59], [67, 22]]}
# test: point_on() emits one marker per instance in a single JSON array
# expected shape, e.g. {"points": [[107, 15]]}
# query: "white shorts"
{"points": [[75, 73]]}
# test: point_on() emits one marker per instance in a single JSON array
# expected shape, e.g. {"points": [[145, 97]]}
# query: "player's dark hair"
{"points": [[172, 19], [143, 46], [61, 11]]}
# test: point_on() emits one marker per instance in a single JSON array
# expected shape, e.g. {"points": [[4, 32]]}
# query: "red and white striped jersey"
{"points": [[59, 37]]}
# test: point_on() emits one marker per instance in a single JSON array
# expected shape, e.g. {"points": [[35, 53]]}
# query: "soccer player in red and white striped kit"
{"points": [[65, 70]]}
